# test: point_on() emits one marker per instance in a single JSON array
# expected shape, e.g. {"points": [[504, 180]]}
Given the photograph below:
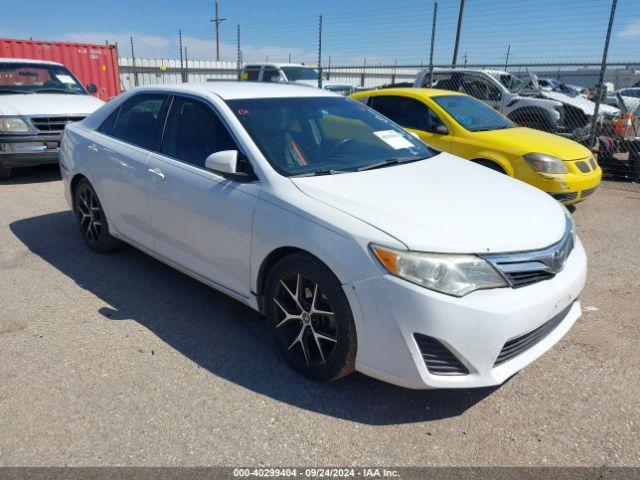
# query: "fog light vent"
{"points": [[437, 358]]}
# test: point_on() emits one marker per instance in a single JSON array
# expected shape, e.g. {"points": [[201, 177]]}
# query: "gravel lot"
{"points": [[119, 360]]}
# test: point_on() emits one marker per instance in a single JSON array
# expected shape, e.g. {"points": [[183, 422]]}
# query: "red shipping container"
{"points": [[97, 64]]}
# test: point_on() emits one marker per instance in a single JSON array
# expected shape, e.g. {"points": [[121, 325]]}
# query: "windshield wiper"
{"points": [[8, 90], [382, 164], [388, 162], [56, 90], [318, 173]]}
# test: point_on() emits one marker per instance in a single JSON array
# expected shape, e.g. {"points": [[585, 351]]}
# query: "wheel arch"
{"points": [[504, 164], [270, 260], [73, 185]]}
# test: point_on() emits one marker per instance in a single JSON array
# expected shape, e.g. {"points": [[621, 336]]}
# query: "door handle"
{"points": [[156, 172], [92, 149]]}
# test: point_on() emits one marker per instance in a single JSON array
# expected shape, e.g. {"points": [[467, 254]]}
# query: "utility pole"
{"points": [[238, 58], [181, 63], [217, 20], [455, 49], [603, 67], [506, 63], [433, 40], [133, 64], [320, 52]]}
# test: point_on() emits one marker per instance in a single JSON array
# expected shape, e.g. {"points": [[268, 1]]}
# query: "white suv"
{"points": [[37, 100], [291, 73]]}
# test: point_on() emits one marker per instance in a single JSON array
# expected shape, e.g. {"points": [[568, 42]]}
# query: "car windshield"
{"points": [[472, 114], [511, 83], [325, 135], [35, 78], [300, 73]]}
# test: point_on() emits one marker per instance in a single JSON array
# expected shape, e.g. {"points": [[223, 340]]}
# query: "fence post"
{"points": [[238, 51], [133, 64], [186, 64], [364, 71], [433, 40], [320, 52], [455, 49], [603, 67]]}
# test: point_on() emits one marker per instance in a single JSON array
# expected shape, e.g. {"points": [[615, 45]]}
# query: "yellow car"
{"points": [[461, 125]]}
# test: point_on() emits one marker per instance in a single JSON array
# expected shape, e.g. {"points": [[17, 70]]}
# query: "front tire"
{"points": [[92, 220], [309, 318]]}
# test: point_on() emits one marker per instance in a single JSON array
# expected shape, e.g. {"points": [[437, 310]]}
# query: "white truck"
{"points": [[291, 73], [531, 107], [37, 99]]}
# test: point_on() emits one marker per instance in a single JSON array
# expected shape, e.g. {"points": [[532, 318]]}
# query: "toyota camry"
{"points": [[364, 248]]}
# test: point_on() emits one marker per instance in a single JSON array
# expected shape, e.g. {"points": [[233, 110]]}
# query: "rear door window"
{"points": [[138, 122]]}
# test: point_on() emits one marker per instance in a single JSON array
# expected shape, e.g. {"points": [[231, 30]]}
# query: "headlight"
{"points": [[13, 125], [455, 275], [543, 163]]}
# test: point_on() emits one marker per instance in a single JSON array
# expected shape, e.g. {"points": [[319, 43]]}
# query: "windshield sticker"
{"points": [[464, 120], [393, 139], [66, 79]]}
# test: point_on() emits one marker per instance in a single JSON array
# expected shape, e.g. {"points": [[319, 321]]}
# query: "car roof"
{"points": [[29, 61], [234, 90], [409, 91]]}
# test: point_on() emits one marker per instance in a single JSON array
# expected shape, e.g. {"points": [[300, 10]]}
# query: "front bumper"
{"points": [[474, 328], [29, 150]]}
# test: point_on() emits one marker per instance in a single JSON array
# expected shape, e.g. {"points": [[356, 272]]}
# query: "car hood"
{"points": [[587, 106], [522, 140], [444, 204], [48, 104]]}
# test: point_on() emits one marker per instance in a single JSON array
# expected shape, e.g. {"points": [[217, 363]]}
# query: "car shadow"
{"points": [[220, 334], [39, 174]]}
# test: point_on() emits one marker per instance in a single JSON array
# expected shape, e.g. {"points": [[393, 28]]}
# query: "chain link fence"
{"points": [[546, 65]]}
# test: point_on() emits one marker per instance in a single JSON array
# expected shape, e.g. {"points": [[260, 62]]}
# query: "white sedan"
{"points": [[364, 248]]}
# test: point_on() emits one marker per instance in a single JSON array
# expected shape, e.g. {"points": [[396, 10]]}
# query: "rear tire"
{"points": [[5, 172], [309, 318], [91, 219]]}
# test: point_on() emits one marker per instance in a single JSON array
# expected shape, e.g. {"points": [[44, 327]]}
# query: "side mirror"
{"points": [[91, 88], [225, 164]]}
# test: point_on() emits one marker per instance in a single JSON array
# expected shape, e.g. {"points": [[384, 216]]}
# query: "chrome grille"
{"points": [[437, 358], [53, 124], [516, 346], [526, 268]]}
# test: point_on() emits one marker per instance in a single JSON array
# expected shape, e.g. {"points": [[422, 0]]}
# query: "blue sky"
{"points": [[379, 31]]}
